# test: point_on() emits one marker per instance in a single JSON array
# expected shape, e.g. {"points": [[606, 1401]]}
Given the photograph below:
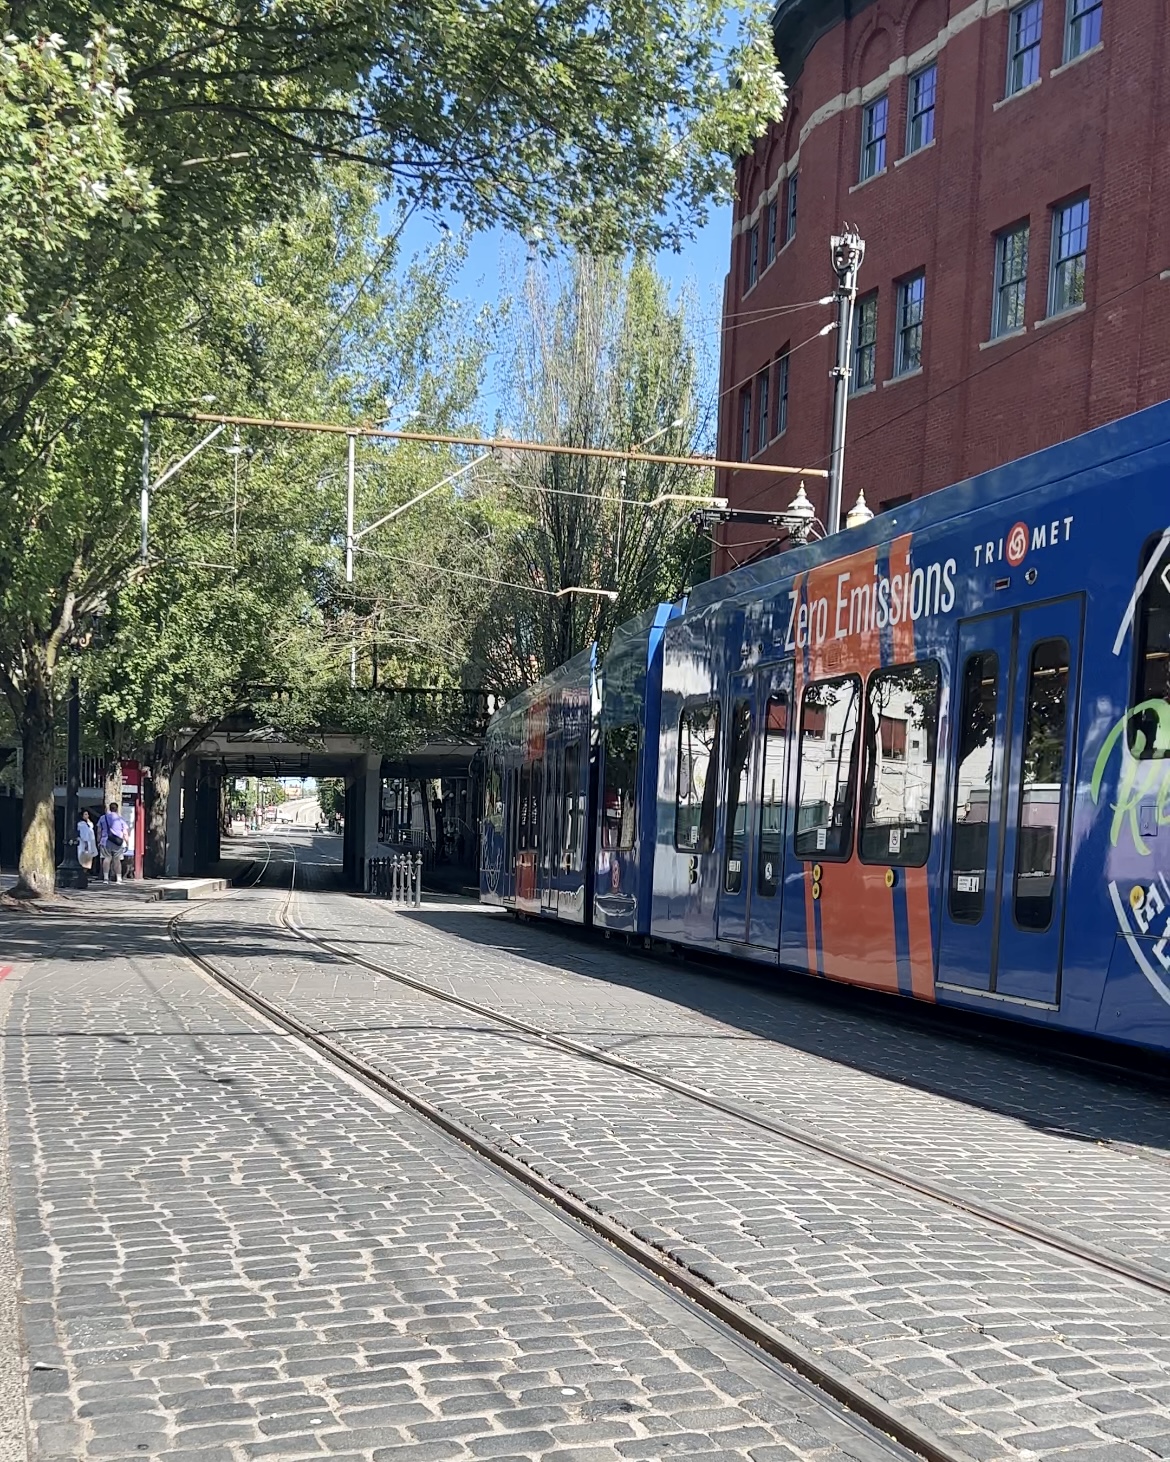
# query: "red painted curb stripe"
{"points": [[5, 971]]}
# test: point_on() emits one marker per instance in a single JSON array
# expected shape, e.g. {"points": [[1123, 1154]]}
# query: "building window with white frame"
{"points": [[865, 342], [781, 423], [1082, 28], [790, 208], [770, 235], [1011, 281], [874, 121], [745, 423], [1024, 24], [1070, 247], [920, 108], [762, 422], [911, 306]]}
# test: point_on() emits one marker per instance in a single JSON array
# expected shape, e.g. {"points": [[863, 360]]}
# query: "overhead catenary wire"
{"points": [[757, 317], [1053, 326], [753, 375], [610, 594]]}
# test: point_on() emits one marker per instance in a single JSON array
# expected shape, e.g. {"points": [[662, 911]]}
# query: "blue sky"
{"points": [[493, 256]]}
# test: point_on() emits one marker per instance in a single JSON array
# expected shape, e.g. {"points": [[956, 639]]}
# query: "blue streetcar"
{"points": [[929, 756]]}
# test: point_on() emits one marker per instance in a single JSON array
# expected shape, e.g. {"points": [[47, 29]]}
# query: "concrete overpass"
{"points": [[193, 812]]}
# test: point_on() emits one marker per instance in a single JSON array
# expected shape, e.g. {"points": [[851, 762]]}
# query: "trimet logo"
{"points": [[1020, 540]]}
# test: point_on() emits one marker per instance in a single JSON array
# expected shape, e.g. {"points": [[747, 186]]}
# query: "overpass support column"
{"points": [[174, 823], [188, 832], [368, 806]]}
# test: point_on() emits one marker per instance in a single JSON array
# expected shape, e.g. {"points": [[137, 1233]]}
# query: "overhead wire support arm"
{"points": [[149, 487], [494, 444]]}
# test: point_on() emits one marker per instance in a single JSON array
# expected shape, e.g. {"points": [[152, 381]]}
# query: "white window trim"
{"points": [[1066, 36], [866, 181], [1023, 91], [918, 151], [1063, 315], [910, 79], [1054, 236], [1076, 60], [1013, 11], [1007, 335]]}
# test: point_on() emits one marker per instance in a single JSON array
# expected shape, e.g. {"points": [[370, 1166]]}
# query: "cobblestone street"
{"points": [[229, 1250], [981, 1336]]}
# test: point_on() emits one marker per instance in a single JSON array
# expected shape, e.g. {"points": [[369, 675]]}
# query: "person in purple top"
{"points": [[112, 835]]}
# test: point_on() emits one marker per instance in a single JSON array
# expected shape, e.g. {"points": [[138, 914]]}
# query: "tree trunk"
{"points": [[38, 838], [113, 784], [156, 812]]}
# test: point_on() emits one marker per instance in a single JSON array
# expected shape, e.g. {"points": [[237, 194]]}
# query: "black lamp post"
{"points": [[71, 874]]}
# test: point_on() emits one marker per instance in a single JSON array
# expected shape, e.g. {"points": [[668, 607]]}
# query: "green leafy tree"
{"points": [[245, 596], [600, 358], [174, 137]]}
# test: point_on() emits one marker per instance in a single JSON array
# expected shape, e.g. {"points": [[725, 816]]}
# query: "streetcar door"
{"points": [[1038, 803], [755, 803], [550, 841], [1003, 896]]}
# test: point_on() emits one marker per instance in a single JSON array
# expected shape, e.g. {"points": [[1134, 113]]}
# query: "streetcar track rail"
{"points": [[1053, 1239], [872, 1418]]}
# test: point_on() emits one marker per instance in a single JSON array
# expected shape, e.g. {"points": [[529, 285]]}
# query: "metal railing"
{"points": [[397, 878]]}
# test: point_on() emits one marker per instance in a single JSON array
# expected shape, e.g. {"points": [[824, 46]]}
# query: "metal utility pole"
{"points": [[349, 476], [846, 251]]}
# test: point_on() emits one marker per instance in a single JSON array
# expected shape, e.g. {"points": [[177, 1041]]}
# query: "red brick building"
{"points": [[1009, 170]]}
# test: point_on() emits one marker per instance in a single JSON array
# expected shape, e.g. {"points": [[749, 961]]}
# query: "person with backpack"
{"points": [[112, 835]]}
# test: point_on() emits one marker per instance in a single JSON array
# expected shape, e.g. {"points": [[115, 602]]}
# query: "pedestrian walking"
{"points": [[86, 841], [112, 834]]}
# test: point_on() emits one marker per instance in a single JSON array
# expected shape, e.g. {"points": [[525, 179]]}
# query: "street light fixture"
{"points": [[860, 513], [846, 251]]}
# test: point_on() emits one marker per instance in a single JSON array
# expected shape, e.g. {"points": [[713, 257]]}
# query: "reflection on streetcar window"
{"points": [[1149, 733], [618, 794], [900, 730], [772, 779], [698, 778], [977, 751], [571, 816], [828, 768], [737, 796], [1038, 821]]}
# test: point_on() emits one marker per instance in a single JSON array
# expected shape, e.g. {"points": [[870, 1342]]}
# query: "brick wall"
{"points": [[1097, 126]]}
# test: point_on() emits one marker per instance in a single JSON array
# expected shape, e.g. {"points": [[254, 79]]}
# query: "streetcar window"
{"points": [[1041, 787], [698, 778], [571, 819], [900, 729], [1149, 731], [773, 773], [735, 839], [525, 808], [493, 805], [619, 794], [534, 816], [510, 813], [973, 784], [827, 778]]}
